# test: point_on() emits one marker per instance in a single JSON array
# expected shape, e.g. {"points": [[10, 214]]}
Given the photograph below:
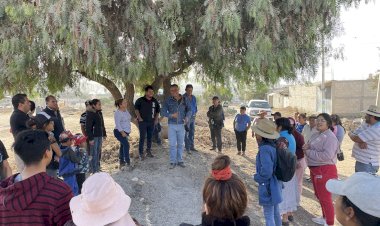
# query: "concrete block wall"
{"points": [[350, 97], [304, 98]]}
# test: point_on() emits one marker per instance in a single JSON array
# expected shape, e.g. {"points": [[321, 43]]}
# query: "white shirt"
{"points": [[370, 135], [123, 121], [308, 132]]}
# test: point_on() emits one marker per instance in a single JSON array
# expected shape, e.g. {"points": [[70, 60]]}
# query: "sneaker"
{"points": [[291, 218], [149, 154], [319, 220], [142, 158], [181, 164], [172, 166], [193, 149], [239, 153], [122, 164], [213, 149], [243, 154], [285, 223], [188, 152]]}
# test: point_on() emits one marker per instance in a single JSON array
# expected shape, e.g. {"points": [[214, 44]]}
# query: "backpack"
{"points": [[286, 161]]}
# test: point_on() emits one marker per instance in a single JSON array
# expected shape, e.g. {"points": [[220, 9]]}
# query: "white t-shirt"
{"points": [[370, 135]]}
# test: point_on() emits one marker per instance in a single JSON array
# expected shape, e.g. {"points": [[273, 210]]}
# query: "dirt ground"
{"points": [[166, 197]]}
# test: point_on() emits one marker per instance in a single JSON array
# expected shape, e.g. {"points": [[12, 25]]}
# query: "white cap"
{"points": [[362, 189]]}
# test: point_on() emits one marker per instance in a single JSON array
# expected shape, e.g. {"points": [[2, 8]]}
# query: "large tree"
{"points": [[123, 44]]}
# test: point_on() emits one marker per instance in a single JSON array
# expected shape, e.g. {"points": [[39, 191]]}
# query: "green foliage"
{"points": [[253, 41]]}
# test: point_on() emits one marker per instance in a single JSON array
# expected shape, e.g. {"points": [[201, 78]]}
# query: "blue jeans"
{"points": [[95, 153], [176, 135], [146, 130], [369, 168], [189, 136], [272, 215], [124, 147]]}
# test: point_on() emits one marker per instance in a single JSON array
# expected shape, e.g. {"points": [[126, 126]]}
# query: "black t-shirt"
{"points": [[147, 108], [18, 121], [3, 153]]}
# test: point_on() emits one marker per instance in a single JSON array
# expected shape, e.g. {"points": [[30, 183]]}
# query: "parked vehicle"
{"points": [[225, 104], [254, 106]]}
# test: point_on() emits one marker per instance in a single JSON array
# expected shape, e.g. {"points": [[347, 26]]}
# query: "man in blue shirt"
{"points": [[178, 111], [242, 123], [190, 128]]}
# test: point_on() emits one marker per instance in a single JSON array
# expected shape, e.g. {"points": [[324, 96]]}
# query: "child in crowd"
{"points": [[68, 161], [81, 151]]}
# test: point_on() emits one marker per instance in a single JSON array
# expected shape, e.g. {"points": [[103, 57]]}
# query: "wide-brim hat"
{"points": [[102, 202], [266, 128], [372, 110]]}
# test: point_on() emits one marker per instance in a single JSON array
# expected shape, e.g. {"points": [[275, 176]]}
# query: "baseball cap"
{"points": [[277, 114], [79, 139], [215, 98], [362, 189], [65, 136]]}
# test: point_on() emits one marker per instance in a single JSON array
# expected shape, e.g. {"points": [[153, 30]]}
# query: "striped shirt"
{"points": [[82, 119], [370, 135], [38, 200]]}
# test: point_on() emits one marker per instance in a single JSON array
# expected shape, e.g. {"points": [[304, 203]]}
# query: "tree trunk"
{"points": [[166, 84], [129, 96], [110, 85], [157, 83]]}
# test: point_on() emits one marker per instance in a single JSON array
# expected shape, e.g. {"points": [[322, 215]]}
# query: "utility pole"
{"points": [[378, 90], [323, 75]]}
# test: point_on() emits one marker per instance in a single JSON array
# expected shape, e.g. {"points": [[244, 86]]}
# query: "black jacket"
{"points": [[95, 125], [216, 116], [209, 221], [58, 122], [18, 121]]}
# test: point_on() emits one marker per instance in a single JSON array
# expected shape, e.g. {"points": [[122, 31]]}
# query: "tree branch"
{"points": [[107, 83]]}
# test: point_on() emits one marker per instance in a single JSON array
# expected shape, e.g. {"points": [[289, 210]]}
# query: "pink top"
{"points": [[323, 148]]}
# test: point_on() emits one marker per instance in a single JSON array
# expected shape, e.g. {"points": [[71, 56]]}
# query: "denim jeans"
{"points": [[272, 215], [95, 153], [176, 135], [124, 147], [146, 130], [189, 136], [369, 168]]}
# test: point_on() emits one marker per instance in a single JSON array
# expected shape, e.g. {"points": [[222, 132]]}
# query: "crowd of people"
{"points": [[46, 151]]}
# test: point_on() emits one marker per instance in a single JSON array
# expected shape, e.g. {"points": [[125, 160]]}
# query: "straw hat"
{"points": [[261, 112], [373, 110], [266, 128], [102, 202]]}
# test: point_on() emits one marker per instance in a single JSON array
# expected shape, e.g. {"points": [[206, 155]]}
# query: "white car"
{"points": [[254, 106]]}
